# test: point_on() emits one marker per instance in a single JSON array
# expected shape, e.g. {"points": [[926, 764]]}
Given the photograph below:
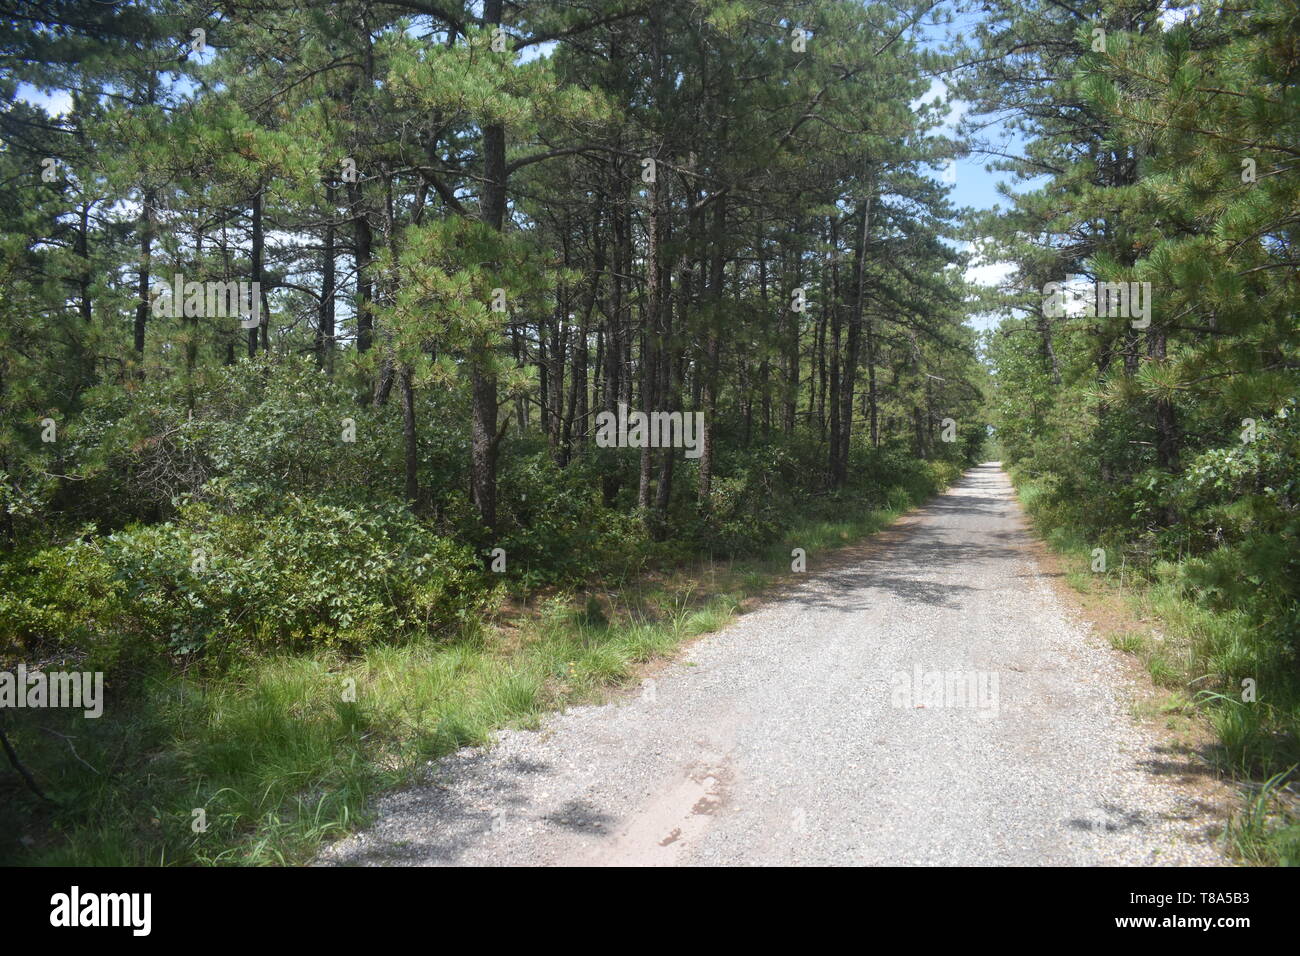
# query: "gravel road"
{"points": [[930, 702]]}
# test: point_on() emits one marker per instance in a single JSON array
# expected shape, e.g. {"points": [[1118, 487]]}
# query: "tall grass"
{"points": [[286, 754]]}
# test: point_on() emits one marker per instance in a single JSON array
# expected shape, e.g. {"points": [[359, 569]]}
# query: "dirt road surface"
{"points": [[931, 702]]}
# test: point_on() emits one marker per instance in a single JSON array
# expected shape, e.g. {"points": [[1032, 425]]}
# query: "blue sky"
{"points": [[976, 186]]}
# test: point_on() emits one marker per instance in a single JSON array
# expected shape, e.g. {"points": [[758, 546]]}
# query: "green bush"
{"points": [[221, 580], [554, 527], [281, 426]]}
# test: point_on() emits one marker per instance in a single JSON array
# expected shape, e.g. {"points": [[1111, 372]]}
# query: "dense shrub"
{"points": [[555, 527], [219, 580], [763, 489], [282, 426]]}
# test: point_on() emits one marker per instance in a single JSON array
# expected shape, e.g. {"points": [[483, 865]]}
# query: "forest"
{"points": [[378, 373]]}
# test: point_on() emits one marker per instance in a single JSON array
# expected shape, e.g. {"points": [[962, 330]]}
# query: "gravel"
{"points": [[802, 735]]}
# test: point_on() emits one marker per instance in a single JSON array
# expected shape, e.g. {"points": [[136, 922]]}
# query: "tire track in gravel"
{"points": [[812, 731]]}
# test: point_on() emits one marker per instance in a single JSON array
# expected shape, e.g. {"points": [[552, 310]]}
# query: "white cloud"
{"points": [[1170, 17], [937, 93], [55, 103], [989, 273]]}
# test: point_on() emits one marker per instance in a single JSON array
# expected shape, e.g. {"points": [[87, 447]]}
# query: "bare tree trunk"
{"points": [[872, 397], [483, 380], [791, 350], [613, 383], [410, 446], [146, 262], [576, 430], [850, 373], [483, 439], [710, 383], [325, 323], [671, 384], [651, 334], [820, 346], [363, 240], [256, 270], [519, 350], [556, 356], [835, 406]]}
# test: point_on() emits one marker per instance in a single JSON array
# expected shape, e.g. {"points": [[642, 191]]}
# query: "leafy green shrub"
{"points": [[64, 601], [281, 425], [222, 579], [752, 495], [555, 528]]}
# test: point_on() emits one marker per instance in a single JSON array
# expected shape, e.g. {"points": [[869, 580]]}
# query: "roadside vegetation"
{"points": [[1150, 418], [282, 749], [1220, 653]]}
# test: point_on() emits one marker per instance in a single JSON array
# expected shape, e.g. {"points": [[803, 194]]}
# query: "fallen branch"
{"points": [[18, 764]]}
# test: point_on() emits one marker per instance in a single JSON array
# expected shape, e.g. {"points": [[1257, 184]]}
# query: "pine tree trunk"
{"points": [[146, 262], [325, 323], [409, 444], [848, 378], [363, 240], [832, 464], [713, 352]]}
